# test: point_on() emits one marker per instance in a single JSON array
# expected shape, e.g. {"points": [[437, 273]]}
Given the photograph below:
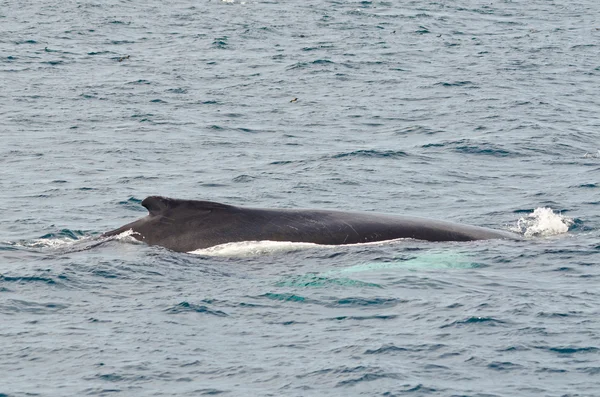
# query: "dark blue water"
{"points": [[470, 111]]}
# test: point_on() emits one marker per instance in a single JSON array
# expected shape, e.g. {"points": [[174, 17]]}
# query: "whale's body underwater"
{"points": [[188, 225]]}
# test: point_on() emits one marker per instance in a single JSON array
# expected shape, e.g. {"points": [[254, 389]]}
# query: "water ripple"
{"points": [[185, 307]]}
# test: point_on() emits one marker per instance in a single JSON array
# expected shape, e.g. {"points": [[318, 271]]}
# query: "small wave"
{"points": [[456, 83], [364, 318], [485, 149], [320, 281], [564, 350], [543, 222], [284, 297], [369, 377], [417, 130], [27, 279], [220, 42], [60, 239], [488, 321], [592, 155], [366, 302], [316, 62], [186, 307], [386, 349], [474, 147], [67, 241], [504, 366], [372, 154], [64, 233], [21, 306], [243, 178], [132, 203]]}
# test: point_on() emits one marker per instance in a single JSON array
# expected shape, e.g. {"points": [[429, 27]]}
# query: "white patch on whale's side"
{"points": [[253, 248], [256, 248]]}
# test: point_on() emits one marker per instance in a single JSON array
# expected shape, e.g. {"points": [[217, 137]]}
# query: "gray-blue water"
{"points": [[471, 111]]}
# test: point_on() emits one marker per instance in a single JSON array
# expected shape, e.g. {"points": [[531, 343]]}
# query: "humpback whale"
{"points": [[188, 225]]}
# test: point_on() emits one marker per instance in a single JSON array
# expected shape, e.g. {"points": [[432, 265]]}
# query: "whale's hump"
{"points": [[189, 225], [156, 205]]}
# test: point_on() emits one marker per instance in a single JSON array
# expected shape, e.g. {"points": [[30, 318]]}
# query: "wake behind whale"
{"points": [[189, 225]]}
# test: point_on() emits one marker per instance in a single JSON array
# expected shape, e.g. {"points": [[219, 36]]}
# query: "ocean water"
{"points": [[485, 113]]}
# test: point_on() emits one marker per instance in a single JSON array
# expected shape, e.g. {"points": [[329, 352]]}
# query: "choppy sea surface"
{"points": [[479, 112]]}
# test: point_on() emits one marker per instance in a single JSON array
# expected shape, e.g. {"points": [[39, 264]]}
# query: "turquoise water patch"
{"points": [[428, 260], [424, 261]]}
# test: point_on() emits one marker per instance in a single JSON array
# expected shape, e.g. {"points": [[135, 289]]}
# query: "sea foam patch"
{"points": [[543, 222]]}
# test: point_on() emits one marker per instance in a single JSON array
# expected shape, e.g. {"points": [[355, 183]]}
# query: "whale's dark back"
{"points": [[188, 225]]}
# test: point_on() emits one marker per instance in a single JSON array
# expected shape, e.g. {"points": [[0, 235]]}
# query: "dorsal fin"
{"points": [[158, 204]]}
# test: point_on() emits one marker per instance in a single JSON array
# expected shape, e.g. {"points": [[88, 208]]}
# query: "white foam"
{"points": [[63, 242], [46, 243], [127, 235], [592, 155], [543, 222]]}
